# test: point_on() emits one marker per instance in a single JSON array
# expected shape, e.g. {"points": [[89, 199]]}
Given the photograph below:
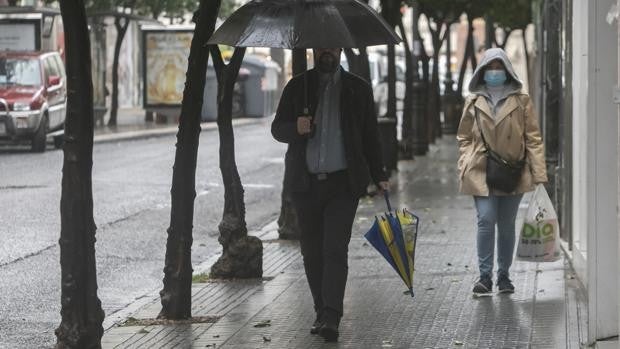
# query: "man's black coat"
{"points": [[359, 130]]}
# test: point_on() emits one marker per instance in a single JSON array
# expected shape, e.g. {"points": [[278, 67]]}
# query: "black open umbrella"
{"points": [[305, 24]]}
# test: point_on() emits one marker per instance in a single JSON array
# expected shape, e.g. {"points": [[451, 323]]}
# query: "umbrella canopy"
{"points": [[305, 24]]}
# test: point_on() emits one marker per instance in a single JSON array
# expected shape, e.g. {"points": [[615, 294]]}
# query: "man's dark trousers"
{"points": [[325, 215]]}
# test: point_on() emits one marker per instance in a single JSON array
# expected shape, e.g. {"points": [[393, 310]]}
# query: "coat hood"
{"points": [[477, 84]]}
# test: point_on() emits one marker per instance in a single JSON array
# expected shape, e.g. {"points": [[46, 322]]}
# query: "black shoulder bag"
{"points": [[502, 174]]}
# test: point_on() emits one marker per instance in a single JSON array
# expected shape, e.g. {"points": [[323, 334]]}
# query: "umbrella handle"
{"points": [[387, 200]]}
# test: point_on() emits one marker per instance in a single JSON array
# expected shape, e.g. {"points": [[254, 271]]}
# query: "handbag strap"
{"points": [[484, 141]]}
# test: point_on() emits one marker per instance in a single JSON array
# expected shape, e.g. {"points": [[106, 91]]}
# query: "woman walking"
{"points": [[498, 118]]}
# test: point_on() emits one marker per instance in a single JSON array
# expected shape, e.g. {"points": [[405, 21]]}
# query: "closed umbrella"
{"points": [[394, 236]]}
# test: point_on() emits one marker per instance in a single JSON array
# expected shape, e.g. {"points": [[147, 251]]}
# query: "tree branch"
{"points": [[218, 62]]}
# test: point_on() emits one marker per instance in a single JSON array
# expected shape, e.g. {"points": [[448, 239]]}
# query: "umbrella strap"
{"points": [[387, 200]]}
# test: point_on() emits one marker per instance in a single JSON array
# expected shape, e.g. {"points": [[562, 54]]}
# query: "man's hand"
{"points": [[304, 125], [383, 187]]}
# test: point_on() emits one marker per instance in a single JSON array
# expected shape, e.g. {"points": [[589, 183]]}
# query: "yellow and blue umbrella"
{"points": [[394, 236]]}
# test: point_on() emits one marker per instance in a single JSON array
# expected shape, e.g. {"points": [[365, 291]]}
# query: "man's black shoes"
{"points": [[329, 332], [329, 328], [316, 326], [483, 285]]}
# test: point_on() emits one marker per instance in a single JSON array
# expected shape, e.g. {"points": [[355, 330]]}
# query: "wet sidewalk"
{"points": [[276, 311]]}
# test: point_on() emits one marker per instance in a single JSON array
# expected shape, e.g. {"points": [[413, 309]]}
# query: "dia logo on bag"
{"points": [[539, 240]]}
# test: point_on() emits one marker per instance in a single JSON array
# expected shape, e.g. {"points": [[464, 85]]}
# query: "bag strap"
{"points": [[484, 141]]}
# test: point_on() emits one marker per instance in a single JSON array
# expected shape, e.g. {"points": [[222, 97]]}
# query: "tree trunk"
{"points": [[121, 30], [434, 99], [466, 55], [472, 49], [82, 316], [489, 32], [242, 255], [425, 92], [406, 146], [176, 295]]}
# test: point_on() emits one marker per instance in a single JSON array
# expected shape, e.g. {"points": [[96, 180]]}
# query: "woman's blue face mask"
{"points": [[495, 77]]}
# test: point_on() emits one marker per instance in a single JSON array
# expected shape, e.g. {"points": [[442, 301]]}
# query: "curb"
{"points": [[164, 131]]}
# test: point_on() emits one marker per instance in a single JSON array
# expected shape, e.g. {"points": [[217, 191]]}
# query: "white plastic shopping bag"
{"points": [[539, 240]]}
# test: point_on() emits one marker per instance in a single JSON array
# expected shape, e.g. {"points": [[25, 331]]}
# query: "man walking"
{"points": [[333, 154]]}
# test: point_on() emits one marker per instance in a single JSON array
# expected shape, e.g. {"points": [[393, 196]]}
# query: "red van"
{"points": [[33, 96]]}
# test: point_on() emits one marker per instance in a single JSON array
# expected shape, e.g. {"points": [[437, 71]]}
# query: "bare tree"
{"points": [[121, 23], [176, 297], [82, 316], [242, 255]]}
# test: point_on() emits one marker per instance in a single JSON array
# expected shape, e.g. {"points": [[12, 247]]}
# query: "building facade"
{"points": [[578, 61]]}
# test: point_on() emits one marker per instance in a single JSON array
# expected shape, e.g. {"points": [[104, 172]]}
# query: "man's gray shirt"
{"points": [[325, 150]]}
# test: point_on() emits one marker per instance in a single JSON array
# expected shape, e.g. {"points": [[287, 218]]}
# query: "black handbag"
{"points": [[502, 174]]}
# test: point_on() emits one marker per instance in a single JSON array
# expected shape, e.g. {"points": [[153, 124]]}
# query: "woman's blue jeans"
{"points": [[492, 210]]}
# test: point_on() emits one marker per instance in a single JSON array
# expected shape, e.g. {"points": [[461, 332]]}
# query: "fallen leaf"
{"points": [[466, 266], [541, 290], [434, 221], [429, 288], [386, 343], [143, 331], [365, 244], [266, 339], [455, 280], [203, 245], [264, 323], [216, 336], [458, 343], [449, 264], [538, 271]]}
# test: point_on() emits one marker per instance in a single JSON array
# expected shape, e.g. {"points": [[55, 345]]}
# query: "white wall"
{"points": [[595, 158]]}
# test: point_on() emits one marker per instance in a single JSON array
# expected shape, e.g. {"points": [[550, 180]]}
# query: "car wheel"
{"points": [[59, 141], [39, 139]]}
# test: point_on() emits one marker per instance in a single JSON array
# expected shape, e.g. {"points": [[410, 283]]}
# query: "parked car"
{"points": [[33, 97]]}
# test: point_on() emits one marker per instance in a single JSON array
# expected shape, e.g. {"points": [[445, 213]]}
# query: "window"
{"points": [[51, 69], [17, 71]]}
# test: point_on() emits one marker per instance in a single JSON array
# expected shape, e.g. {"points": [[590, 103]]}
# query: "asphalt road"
{"points": [[131, 186]]}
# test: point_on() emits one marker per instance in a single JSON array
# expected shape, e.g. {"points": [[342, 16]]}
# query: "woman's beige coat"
{"points": [[512, 132]]}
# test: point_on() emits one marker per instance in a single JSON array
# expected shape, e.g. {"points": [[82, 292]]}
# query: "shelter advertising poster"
{"points": [[165, 56]]}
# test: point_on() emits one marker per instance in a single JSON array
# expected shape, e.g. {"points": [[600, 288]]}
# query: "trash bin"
{"points": [[209, 96], [261, 86], [209, 102], [389, 144]]}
